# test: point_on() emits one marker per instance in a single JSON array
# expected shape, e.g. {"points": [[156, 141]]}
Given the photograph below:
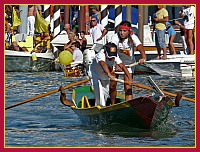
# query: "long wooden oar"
{"points": [[128, 66], [148, 88], [131, 65], [47, 93]]}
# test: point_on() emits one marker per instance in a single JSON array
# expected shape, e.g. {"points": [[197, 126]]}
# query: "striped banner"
{"points": [[47, 13], [104, 19], [118, 16], [56, 19], [104, 16]]}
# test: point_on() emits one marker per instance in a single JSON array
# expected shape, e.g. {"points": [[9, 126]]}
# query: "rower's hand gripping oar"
{"points": [[47, 93], [148, 88], [131, 65], [128, 66]]}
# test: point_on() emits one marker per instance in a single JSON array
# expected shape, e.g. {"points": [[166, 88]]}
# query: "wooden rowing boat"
{"points": [[142, 112]]}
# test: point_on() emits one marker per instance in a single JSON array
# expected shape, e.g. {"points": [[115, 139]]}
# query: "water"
{"points": [[45, 122]]}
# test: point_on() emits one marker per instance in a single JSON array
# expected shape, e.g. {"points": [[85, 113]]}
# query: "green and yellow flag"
{"points": [[15, 19], [41, 25]]}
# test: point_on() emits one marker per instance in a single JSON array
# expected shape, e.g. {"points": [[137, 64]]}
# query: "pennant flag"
{"points": [[41, 25], [15, 19]]}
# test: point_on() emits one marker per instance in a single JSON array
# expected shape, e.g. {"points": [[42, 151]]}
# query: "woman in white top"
{"points": [[125, 41], [188, 15]]}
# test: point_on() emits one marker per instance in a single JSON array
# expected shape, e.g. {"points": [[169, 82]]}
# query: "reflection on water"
{"points": [[46, 122], [164, 131]]}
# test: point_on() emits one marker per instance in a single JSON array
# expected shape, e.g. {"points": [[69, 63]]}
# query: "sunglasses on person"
{"points": [[93, 20]]}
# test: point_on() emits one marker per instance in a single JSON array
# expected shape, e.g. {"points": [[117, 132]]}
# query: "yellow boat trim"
{"points": [[98, 109], [85, 102]]}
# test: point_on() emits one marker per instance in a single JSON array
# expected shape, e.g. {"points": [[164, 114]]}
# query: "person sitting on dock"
{"points": [[71, 37], [101, 69], [77, 54], [83, 41], [125, 41], [40, 45], [15, 47]]}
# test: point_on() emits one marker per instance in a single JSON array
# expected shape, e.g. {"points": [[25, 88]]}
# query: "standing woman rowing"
{"points": [[125, 41]]}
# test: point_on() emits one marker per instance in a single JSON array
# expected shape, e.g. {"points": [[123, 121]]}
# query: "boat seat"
{"points": [[85, 103], [90, 101]]}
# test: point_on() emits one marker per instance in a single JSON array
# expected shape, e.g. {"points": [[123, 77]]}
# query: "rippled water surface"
{"points": [[46, 122]]}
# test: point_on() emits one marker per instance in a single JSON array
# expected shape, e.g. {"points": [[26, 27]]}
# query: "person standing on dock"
{"points": [[171, 33], [97, 31], [96, 13], [182, 29], [188, 15], [66, 29], [31, 18], [125, 41], [160, 18]]}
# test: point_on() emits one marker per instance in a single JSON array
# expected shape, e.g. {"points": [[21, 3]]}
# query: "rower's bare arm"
{"points": [[123, 67], [142, 52], [106, 69]]}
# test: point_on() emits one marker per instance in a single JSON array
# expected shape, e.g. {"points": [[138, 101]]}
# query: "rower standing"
{"points": [[125, 41], [101, 69]]}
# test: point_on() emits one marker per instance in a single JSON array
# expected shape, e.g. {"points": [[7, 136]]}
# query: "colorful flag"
{"points": [[15, 19], [41, 25]]}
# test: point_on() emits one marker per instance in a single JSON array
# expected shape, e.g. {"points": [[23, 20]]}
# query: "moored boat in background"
{"points": [[179, 65], [175, 65], [26, 62]]}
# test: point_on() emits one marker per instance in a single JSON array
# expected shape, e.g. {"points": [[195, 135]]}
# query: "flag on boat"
{"points": [[15, 19], [41, 25]]}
